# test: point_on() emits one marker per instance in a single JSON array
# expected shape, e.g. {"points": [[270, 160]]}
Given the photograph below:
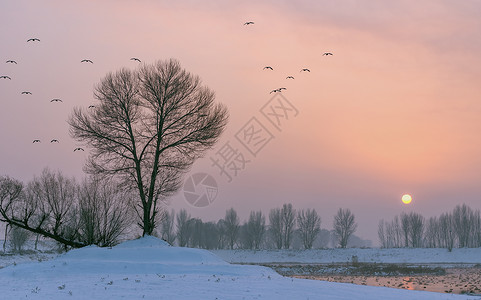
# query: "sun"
{"points": [[406, 198]]}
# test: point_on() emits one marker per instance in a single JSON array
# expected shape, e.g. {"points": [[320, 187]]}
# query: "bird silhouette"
{"points": [[5, 77], [33, 40], [268, 67], [249, 23], [54, 141], [91, 106], [135, 59], [26, 93], [327, 53], [290, 77], [56, 100], [11, 62], [36, 141], [305, 70], [78, 149], [275, 91], [87, 61]]}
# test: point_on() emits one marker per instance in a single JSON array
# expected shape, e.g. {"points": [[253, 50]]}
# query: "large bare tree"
{"points": [[149, 128]]}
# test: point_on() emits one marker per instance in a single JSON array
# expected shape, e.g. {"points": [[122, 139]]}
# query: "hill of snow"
{"points": [[148, 268]]}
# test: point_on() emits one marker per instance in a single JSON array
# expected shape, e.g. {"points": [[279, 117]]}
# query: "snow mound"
{"points": [[144, 242], [146, 250]]}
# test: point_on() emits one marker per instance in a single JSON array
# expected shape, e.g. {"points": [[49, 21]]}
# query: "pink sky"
{"points": [[395, 110]]}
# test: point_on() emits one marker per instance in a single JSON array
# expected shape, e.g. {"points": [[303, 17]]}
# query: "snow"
{"points": [[395, 255], [148, 268]]}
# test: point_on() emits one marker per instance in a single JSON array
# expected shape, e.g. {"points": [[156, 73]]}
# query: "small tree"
{"points": [[309, 224], [288, 221], [183, 228], [231, 227], [167, 227], [344, 226], [276, 226], [256, 227]]}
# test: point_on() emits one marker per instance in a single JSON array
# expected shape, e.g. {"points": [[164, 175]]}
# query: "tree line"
{"points": [[459, 228], [282, 228]]}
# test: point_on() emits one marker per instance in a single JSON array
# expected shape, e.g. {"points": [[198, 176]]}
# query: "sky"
{"points": [[395, 109]]}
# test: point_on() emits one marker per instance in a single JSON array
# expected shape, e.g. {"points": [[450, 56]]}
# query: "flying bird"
{"points": [[33, 40], [11, 62], [56, 100], [87, 61], [268, 67], [249, 23], [78, 149], [26, 93], [54, 141], [36, 141], [5, 77], [135, 59], [91, 106], [290, 77], [305, 70], [275, 91], [327, 53]]}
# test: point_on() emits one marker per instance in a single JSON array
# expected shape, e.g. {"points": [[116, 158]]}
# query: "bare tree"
{"points": [[309, 224], [344, 226], [183, 230], [446, 231], [50, 209], [462, 218], [231, 223], [253, 230], [405, 228], [416, 229], [288, 222], [150, 126], [104, 213], [276, 227], [167, 227], [431, 236]]}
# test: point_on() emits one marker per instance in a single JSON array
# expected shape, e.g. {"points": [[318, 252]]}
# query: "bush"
{"points": [[18, 237]]}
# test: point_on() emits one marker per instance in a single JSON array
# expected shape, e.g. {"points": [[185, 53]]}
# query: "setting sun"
{"points": [[406, 198]]}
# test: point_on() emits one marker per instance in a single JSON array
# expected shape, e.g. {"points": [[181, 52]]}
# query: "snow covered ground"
{"points": [[148, 268], [398, 255]]}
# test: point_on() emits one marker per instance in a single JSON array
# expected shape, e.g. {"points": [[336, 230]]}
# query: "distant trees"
{"points": [[231, 226], [57, 207], [252, 232], [309, 224], [459, 228], [288, 222], [183, 228], [344, 226], [148, 129], [167, 230], [282, 222], [276, 227]]}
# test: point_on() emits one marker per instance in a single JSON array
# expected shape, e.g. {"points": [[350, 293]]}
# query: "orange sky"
{"points": [[395, 110]]}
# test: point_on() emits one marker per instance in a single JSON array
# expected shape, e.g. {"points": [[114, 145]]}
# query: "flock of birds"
{"points": [[269, 68], [278, 90], [10, 61]]}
